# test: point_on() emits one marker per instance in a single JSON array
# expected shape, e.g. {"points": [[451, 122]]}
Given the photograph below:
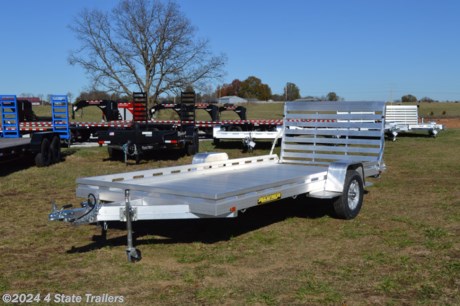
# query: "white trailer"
{"points": [[328, 150], [404, 118], [247, 131]]}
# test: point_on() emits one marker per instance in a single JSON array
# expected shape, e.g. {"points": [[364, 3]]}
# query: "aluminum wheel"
{"points": [[353, 194], [348, 205]]}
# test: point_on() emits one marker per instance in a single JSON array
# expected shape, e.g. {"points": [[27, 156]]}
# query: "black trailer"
{"points": [[44, 147], [145, 136]]}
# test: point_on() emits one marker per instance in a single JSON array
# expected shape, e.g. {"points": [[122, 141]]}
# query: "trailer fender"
{"points": [[336, 175]]}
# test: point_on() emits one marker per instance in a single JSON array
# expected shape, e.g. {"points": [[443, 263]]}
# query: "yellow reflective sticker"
{"points": [[269, 198]]}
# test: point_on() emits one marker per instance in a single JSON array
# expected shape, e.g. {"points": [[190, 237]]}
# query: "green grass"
{"points": [[403, 248]]}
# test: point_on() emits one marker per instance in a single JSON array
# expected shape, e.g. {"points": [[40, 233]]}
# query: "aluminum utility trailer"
{"points": [[328, 150], [248, 131], [404, 118]]}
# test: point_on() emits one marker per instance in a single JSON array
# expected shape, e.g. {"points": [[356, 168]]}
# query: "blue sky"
{"points": [[360, 49]]}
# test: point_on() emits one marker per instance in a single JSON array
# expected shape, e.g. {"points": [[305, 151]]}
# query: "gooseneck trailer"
{"points": [[328, 150], [45, 145]]}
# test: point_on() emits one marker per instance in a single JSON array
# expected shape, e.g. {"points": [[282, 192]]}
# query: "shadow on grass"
{"points": [[17, 164], [213, 230], [160, 154], [24, 162]]}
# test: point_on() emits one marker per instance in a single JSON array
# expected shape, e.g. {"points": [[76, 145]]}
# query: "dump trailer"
{"points": [[405, 119], [43, 146], [328, 150], [144, 135]]}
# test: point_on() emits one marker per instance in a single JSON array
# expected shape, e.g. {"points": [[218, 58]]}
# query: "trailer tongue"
{"points": [[328, 150]]}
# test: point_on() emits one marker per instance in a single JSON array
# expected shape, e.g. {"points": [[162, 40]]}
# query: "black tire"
{"points": [[197, 144], [193, 148], [189, 149], [43, 159], [55, 148], [348, 205]]}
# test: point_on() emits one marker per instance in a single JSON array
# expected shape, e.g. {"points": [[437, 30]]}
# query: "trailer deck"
{"points": [[13, 146], [13, 142]]}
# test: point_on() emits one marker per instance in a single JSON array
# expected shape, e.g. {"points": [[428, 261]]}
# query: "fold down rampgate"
{"points": [[328, 149]]}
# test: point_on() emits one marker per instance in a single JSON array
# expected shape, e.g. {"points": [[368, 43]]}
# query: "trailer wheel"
{"points": [[55, 150], [190, 149], [197, 143], [43, 158], [193, 148], [348, 205]]}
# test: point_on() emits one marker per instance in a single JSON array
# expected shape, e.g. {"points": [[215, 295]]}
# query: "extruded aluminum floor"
{"points": [[225, 183]]}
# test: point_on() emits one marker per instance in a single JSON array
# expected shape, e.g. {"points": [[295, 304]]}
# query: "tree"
{"points": [[332, 96], [291, 92], [278, 97], [426, 99], [253, 88], [69, 96], [408, 98], [95, 94], [143, 45], [232, 89]]}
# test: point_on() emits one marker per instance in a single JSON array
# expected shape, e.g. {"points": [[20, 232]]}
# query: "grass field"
{"points": [[403, 248]]}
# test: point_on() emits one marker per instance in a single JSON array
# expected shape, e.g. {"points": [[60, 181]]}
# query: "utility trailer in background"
{"points": [[43, 146], [405, 119], [328, 150], [247, 131]]}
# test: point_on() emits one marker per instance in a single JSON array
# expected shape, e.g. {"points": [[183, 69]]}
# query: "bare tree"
{"points": [[70, 96], [143, 45]]}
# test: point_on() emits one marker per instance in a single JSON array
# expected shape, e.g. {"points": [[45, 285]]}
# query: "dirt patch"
{"points": [[449, 123]]}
